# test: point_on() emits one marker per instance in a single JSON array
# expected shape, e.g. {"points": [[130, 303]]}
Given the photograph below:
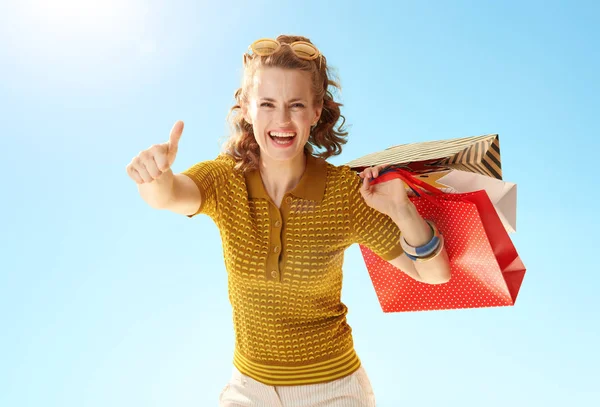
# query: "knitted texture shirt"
{"points": [[284, 266]]}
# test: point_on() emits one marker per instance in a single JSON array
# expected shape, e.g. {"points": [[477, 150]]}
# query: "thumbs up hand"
{"points": [[153, 162]]}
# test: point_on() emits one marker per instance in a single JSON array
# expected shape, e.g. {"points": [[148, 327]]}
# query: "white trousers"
{"points": [[350, 391]]}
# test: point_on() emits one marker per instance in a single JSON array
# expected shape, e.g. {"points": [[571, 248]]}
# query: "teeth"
{"points": [[277, 134]]}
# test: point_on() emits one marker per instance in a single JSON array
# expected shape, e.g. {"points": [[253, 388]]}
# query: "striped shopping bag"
{"points": [[478, 154]]}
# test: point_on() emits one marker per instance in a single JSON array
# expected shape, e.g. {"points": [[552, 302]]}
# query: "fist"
{"points": [[385, 197], [150, 164]]}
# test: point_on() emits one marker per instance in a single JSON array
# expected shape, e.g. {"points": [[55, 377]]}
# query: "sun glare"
{"points": [[80, 37], [78, 20]]}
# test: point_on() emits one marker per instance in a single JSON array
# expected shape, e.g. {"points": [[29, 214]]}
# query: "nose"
{"points": [[283, 116]]}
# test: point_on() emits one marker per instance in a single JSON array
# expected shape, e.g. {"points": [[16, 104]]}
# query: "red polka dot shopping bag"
{"points": [[486, 268]]}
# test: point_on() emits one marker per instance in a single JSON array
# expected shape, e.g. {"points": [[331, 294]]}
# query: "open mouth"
{"points": [[283, 139]]}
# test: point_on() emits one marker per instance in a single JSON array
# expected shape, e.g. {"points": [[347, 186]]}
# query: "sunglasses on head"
{"points": [[302, 49]]}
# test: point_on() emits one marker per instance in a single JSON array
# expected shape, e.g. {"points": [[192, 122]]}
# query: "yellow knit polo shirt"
{"points": [[284, 266]]}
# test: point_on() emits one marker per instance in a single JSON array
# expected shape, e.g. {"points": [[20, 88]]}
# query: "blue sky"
{"points": [[104, 301]]}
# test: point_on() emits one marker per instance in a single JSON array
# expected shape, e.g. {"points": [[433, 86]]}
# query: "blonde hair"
{"points": [[242, 145]]}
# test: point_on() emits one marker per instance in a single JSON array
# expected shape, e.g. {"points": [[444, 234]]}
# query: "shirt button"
{"points": [[288, 199], [274, 273], [277, 224], [276, 249]]}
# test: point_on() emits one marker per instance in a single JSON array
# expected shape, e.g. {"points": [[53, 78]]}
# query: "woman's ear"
{"points": [[245, 113], [318, 112]]}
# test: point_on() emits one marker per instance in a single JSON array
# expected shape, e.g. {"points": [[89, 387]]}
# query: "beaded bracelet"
{"points": [[427, 249]]}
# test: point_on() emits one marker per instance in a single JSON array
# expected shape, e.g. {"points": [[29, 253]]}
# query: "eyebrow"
{"points": [[289, 101]]}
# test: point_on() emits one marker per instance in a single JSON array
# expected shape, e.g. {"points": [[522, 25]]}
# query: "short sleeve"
{"points": [[210, 177], [371, 228]]}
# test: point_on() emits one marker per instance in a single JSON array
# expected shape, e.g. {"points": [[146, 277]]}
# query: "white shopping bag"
{"points": [[502, 194]]}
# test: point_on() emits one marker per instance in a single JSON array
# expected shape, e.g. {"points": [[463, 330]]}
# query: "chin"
{"points": [[284, 155]]}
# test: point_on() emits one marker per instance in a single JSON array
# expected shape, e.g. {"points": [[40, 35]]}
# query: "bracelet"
{"points": [[427, 249], [431, 256], [434, 254]]}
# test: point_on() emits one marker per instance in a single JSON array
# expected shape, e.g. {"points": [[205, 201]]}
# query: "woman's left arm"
{"points": [[391, 199]]}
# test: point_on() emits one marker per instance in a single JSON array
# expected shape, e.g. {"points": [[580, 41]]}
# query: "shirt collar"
{"points": [[311, 185]]}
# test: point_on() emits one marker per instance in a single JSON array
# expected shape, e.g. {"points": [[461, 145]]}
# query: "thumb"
{"points": [[174, 138], [365, 188]]}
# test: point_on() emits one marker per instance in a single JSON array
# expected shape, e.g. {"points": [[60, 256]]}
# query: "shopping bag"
{"points": [[503, 194], [478, 154], [486, 270]]}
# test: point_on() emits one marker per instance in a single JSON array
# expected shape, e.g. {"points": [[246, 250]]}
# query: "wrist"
{"points": [[160, 191], [402, 211], [413, 227]]}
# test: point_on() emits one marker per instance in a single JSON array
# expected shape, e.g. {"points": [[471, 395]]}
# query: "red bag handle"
{"points": [[413, 182]]}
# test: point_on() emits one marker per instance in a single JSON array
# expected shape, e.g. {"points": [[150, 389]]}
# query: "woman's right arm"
{"points": [[157, 185], [174, 192]]}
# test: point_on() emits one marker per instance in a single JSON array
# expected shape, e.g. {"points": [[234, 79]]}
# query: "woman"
{"points": [[286, 217]]}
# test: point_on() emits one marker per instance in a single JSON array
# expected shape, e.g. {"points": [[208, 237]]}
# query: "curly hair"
{"points": [[242, 145]]}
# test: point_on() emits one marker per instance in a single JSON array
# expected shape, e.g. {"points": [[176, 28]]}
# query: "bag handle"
{"points": [[413, 183]]}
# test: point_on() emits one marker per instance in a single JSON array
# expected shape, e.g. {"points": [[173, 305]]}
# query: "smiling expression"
{"points": [[281, 110]]}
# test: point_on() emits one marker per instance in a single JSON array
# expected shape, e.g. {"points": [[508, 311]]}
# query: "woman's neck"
{"points": [[280, 177]]}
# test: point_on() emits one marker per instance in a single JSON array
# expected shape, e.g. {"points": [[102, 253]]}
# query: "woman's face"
{"points": [[281, 111]]}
